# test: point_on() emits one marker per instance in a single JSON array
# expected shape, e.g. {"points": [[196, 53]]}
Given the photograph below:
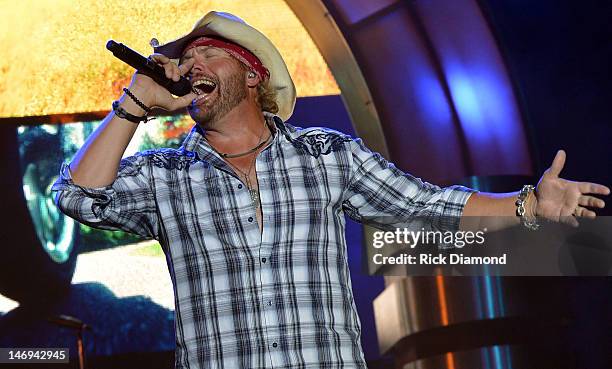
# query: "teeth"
{"points": [[203, 86], [203, 82]]}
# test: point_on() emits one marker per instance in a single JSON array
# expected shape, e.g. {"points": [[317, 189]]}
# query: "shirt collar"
{"points": [[195, 141]]}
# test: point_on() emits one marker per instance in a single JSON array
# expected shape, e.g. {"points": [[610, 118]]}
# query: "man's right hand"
{"points": [[153, 95], [95, 164]]}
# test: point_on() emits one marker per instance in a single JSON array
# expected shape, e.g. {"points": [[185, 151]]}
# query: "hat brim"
{"points": [[234, 29]]}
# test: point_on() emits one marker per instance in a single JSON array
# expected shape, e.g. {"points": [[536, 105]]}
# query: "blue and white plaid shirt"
{"points": [[244, 299]]}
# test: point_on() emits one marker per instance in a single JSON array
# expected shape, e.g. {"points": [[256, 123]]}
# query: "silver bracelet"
{"points": [[529, 223]]}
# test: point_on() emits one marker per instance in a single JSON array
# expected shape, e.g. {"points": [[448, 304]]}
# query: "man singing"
{"points": [[250, 210]]}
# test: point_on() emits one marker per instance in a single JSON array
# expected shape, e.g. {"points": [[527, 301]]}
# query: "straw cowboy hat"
{"points": [[234, 29]]}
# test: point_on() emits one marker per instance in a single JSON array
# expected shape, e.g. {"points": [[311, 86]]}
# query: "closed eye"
{"points": [[208, 52]]}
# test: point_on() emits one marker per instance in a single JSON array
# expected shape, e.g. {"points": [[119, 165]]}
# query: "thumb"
{"points": [[558, 163], [183, 101]]}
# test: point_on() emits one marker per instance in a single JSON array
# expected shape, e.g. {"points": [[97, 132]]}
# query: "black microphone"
{"points": [[149, 68]]}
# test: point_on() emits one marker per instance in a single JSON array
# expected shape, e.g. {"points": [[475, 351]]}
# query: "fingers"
{"points": [[186, 66], [159, 58], [569, 220], [587, 201], [558, 163], [591, 201], [583, 212], [171, 69], [594, 188]]}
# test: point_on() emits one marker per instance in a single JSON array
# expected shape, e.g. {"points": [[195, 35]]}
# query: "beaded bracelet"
{"points": [[138, 102]]}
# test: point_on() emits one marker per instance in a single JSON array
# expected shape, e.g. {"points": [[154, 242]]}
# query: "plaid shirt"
{"points": [[244, 299]]}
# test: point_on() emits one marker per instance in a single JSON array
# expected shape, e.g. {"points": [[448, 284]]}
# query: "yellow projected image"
{"points": [[55, 61]]}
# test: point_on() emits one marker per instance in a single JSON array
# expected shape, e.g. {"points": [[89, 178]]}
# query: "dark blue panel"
{"points": [[559, 54]]}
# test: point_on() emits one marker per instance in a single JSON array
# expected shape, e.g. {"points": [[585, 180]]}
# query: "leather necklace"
{"points": [[253, 192], [231, 156]]}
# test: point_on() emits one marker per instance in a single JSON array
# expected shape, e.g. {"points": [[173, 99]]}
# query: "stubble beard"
{"points": [[231, 93]]}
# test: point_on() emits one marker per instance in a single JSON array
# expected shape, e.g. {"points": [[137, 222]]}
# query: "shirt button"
{"points": [[240, 186], [274, 344], [251, 219], [263, 260]]}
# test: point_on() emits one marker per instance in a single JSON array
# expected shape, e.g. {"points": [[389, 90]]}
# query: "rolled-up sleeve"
{"points": [[378, 192], [127, 204]]}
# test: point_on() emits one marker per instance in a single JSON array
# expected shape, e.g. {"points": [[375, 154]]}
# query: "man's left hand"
{"points": [[561, 200]]}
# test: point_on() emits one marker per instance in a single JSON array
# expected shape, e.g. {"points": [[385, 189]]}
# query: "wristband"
{"points": [[121, 113]]}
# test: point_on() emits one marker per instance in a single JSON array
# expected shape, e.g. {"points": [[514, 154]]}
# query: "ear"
{"points": [[252, 79]]}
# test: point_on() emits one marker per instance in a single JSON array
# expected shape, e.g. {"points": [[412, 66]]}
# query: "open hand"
{"points": [[561, 200]]}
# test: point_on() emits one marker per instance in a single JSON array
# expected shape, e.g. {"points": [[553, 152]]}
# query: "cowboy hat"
{"points": [[234, 29]]}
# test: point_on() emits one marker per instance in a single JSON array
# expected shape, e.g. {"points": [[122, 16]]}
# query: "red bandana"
{"points": [[235, 50]]}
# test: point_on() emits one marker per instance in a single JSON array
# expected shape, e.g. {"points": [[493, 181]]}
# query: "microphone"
{"points": [[149, 68]]}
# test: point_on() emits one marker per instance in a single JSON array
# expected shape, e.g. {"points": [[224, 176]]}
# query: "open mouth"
{"points": [[203, 86]]}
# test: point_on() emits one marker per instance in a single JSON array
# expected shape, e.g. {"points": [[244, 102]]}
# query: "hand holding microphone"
{"points": [[157, 78]]}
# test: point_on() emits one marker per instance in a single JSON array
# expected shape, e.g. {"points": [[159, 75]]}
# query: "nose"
{"points": [[200, 65]]}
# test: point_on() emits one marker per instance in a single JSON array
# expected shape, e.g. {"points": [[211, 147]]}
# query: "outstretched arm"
{"points": [[555, 198]]}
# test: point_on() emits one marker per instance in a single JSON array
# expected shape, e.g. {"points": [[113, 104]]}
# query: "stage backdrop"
{"points": [[57, 81], [55, 61]]}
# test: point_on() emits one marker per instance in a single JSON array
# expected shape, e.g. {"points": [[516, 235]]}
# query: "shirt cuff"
{"points": [[455, 198], [64, 181]]}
